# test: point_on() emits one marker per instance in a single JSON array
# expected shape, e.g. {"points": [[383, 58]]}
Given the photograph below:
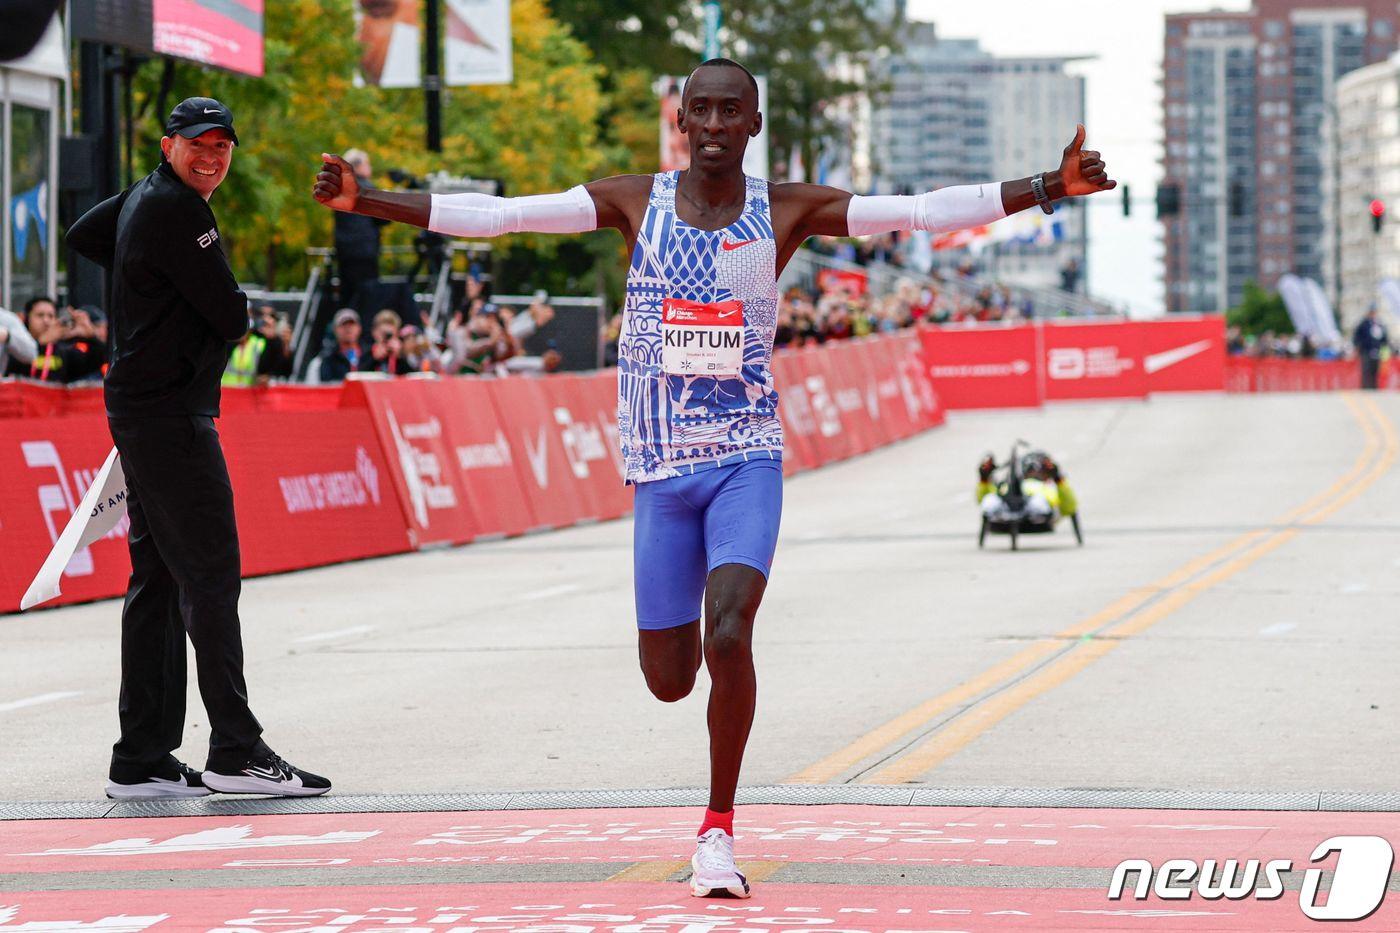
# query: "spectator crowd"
{"points": [[482, 338], [47, 344]]}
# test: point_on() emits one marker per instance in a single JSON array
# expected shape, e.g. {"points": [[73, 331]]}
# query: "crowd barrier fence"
{"points": [[1026, 365], [323, 474]]}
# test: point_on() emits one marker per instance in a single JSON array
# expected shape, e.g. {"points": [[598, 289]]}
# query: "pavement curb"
{"points": [[778, 794]]}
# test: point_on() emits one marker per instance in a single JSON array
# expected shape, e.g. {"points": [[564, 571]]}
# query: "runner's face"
{"points": [[719, 115]]}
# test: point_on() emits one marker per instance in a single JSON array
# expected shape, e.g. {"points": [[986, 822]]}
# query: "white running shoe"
{"points": [[713, 867]]}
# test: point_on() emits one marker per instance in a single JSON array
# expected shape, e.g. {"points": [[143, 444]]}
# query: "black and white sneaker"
{"points": [[170, 779], [264, 774]]}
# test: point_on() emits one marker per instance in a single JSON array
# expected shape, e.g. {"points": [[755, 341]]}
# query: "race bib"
{"points": [[699, 339]]}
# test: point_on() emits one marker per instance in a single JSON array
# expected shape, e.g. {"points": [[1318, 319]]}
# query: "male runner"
{"points": [[697, 408]]}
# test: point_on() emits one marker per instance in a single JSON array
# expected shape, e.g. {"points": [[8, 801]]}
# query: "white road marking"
{"points": [[338, 633], [36, 700], [549, 592], [1278, 628]]}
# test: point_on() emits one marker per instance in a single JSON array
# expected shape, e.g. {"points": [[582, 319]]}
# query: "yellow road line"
{"points": [[666, 870], [760, 871], [951, 739], [920, 716], [649, 871]]}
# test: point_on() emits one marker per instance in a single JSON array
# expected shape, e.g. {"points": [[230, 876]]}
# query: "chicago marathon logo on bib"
{"points": [[700, 338]]}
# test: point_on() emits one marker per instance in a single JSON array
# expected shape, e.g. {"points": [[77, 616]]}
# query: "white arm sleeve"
{"points": [[481, 215], [21, 345], [941, 211]]}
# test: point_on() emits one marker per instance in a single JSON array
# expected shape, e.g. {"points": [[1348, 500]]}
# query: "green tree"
{"points": [[627, 35], [1259, 311], [537, 134], [797, 44]]}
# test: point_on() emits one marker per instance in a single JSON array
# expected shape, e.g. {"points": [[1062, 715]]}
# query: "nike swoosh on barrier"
{"points": [[732, 244], [1155, 361]]}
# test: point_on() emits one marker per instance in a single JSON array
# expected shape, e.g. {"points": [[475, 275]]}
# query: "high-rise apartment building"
{"points": [[1245, 99], [1365, 167], [954, 114]]}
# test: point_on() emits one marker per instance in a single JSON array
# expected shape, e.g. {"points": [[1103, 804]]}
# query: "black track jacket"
{"points": [[175, 309]]}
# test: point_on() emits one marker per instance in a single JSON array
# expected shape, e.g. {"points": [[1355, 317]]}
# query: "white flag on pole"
{"points": [[102, 507], [478, 43]]}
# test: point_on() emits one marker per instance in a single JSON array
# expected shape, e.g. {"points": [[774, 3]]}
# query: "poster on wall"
{"points": [[675, 149], [390, 43], [222, 33], [477, 37]]}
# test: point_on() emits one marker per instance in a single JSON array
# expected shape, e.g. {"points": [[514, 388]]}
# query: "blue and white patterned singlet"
{"points": [[674, 425]]}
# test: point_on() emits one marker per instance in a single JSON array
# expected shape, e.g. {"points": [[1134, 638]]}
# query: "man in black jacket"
{"points": [[1371, 341], [175, 310], [357, 238]]}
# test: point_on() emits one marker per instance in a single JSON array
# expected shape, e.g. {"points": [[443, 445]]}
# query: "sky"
{"points": [[1124, 118]]}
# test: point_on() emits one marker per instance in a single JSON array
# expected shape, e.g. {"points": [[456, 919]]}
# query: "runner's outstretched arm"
{"points": [[823, 211], [605, 203]]}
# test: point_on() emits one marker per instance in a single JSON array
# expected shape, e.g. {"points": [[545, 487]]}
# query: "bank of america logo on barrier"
{"points": [[1358, 883], [339, 489], [368, 472]]}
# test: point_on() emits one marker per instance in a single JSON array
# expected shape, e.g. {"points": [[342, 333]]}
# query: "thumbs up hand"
{"points": [[1083, 172]]}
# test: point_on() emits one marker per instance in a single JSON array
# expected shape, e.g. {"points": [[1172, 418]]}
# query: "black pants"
{"points": [[1370, 370], [185, 580], [356, 271]]}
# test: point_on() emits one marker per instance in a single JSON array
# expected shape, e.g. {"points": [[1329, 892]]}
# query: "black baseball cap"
{"points": [[195, 115]]}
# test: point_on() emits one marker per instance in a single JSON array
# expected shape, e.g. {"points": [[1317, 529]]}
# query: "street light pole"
{"points": [[712, 21], [432, 78]]}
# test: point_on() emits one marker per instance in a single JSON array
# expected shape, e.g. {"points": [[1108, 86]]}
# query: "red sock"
{"points": [[724, 821]]}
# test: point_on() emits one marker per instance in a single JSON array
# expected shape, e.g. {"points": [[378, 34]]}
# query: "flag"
{"points": [[102, 507]]}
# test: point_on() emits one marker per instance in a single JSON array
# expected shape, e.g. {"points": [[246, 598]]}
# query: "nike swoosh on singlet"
{"points": [[735, 244]]}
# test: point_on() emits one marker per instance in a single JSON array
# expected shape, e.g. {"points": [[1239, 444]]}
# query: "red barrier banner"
{"points": [[23, 398], [800, 451], [280, 398], [326, 498], [577, 415], [848, 384], [411, 462], [1272, 374], [525, 413], [1285, 375], [924, 403], [879, 388], [1093, 360], [48, 464], [983, 367], [409, 417], [481, 456], [1184, 353], [831, 439], [1239, 373]]}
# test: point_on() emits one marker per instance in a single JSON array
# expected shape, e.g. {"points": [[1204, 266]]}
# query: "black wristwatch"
{"points": [[1041, 196]]}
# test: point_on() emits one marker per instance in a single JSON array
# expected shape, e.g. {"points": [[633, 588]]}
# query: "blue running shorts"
{"points": [[686, 526]]}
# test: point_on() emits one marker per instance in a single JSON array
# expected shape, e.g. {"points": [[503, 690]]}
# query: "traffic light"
{"points": [[1127, 202], [1237, 199], [1168, 201], [1377, 214]]}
